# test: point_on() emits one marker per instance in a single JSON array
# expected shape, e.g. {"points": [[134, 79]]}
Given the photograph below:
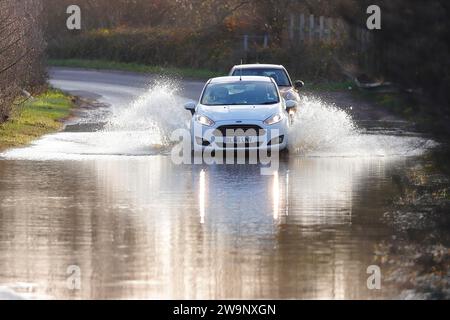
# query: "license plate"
{"points": [[241, 140]]}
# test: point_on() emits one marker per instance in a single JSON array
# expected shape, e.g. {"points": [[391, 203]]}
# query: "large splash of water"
{"points": [[322, 129], [142, 127], [158, 113]]}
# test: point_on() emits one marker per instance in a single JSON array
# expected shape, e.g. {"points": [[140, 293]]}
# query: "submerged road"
{"points": [[105, 207]]}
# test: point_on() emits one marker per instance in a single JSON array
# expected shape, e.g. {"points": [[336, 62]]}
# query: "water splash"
{"points": [[158, 112], [142, 127], [322, 129]]}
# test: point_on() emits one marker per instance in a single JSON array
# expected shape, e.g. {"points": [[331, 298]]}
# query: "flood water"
{"points": [[113, 203]]}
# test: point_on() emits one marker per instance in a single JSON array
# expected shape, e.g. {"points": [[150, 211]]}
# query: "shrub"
{"points": [[215, 50]]}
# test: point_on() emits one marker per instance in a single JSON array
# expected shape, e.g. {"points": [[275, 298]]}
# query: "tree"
{"points": [[21, 50]]}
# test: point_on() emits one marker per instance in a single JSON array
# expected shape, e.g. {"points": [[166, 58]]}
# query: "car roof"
{"points": [[258, 66], [238, 78]]}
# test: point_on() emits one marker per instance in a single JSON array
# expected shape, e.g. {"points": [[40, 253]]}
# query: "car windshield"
{"points": [[240, 93], [279, 75]]}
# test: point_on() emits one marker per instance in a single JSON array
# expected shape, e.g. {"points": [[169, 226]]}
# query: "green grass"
{"points": [[394, 102], [34, 118], [329, 86], [178, 72], [134, 67]]}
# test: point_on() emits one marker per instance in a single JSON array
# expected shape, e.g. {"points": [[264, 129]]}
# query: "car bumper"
{"points": [[275, 137]]}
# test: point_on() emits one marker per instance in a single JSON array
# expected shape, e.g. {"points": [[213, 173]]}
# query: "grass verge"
{"points": [[34, 118], [134, 67], [177, 72], [416, 109], [329, 86]]}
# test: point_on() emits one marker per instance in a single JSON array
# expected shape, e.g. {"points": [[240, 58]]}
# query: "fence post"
{"points": [[302, 27], [321, 27], [246, 42], [311, 27], [330, 28]]}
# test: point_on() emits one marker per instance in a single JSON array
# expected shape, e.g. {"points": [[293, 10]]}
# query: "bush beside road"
{"points": [[34, 118]]}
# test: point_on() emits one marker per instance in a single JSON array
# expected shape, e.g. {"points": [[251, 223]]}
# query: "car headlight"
{"points": [[274, 119], [204, 120]]}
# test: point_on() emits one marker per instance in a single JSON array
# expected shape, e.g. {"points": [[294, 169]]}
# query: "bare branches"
{"points": [[21, 50], [14, 63]]}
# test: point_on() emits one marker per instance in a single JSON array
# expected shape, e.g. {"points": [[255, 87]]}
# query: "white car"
{"points": [[240, 113], [289, 90]]}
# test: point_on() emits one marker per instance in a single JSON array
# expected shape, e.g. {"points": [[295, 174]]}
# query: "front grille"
{"points": [[243, 128], [243, 145]]}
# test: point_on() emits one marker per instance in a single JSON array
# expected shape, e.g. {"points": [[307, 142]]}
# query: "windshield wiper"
{"points": [[266, 103]]}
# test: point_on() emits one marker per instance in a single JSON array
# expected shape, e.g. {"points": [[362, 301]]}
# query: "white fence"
{"points": [[304, 28], [252, 40]]}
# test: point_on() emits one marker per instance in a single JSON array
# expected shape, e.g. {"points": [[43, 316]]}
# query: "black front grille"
{"points": [[239, 145], [242, 128]]}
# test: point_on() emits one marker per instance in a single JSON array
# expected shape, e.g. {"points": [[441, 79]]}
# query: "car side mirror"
{"points": [[190, 106], [299, 84], [291, 104]]}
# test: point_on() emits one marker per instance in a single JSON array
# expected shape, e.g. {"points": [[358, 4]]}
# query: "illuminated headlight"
{"points": [[204, 120], [274, 119]]}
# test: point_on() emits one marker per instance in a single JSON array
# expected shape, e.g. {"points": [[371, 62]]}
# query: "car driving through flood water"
{"points": [[236, 112]]}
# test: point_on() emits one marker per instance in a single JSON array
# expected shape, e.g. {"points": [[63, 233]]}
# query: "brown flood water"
{"points": [[138, 226], [145, 228]]}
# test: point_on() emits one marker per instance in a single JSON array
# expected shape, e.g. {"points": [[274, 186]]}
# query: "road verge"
{"points": [[35, 117], [133, 67]]}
